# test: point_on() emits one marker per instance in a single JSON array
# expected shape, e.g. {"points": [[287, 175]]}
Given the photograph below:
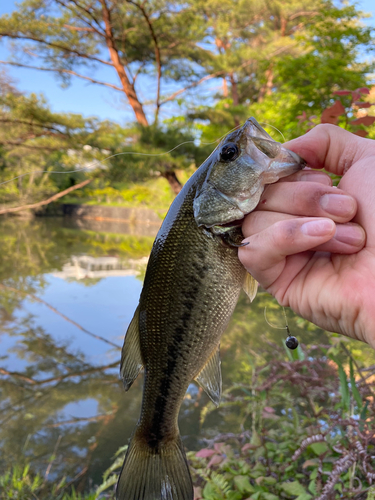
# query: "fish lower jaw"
{"points": [[227, 227]]}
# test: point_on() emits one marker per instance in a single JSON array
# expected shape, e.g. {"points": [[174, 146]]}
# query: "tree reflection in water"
{"points": [[60, 339]]}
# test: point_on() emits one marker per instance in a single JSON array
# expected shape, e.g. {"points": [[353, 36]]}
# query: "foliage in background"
{"points": [[210, 65], [37, 429], [305, 430], [35, 141]]}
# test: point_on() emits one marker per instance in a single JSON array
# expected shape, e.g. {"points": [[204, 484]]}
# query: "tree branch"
{"points": [[28, 146], [88, 12], [76, 420], [57, 46], [95, 30], [94, 369], [157, 52], [303, 13], [68, 71], [29, 380], [78, 28], [41, 301], [59, 378], [191, 86], [31, 124], [128, 87], [45, 202]]}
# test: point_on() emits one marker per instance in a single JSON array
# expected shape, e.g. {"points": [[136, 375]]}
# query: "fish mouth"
{"points": [[233, 187], [233, 223]]}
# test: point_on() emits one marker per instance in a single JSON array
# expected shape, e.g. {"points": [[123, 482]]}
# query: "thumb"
{"points": [[332, 148]]}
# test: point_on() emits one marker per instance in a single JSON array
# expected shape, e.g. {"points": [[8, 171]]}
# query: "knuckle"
{"points": [[324, 128], [284, 233], [347, 157], [305, 199]]}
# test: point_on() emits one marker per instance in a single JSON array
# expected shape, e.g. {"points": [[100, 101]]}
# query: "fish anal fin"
{"points": [[250, 285], [209, 377], [131, 359]]}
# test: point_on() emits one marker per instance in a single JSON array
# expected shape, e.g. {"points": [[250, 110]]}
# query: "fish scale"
{"points": [[192, 284], [175, 314]]}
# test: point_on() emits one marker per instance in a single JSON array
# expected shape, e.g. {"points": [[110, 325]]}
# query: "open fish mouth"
{"points": [[241, 166], [233, 223]]}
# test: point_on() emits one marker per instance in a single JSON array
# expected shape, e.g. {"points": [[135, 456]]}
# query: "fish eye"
{"points": [[229, 152]]}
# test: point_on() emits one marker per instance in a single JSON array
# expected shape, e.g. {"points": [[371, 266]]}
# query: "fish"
{"points": [[191, 287]]}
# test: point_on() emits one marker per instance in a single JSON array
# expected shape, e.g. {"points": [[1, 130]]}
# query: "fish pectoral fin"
{"points": [[250, 285], [209, 377], [131, 359]]}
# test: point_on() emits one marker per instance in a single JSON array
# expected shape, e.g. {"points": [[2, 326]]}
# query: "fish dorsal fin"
{"points": [[209, 377], [250, 285], [131, 359]]}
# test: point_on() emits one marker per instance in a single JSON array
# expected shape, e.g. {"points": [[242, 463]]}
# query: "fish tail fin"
{"points": [[150, 473]]}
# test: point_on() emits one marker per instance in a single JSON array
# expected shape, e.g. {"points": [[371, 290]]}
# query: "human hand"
{"points": [[296, 227]]}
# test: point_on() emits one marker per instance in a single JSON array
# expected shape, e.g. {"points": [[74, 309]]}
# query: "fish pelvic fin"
{"points": [[209, 377], [250, 286], [151, 473], [131, 359]]}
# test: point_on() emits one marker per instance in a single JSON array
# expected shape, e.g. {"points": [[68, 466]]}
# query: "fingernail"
{"points": [[338, 204], [316, 177], [319, 227], [350, 234]]}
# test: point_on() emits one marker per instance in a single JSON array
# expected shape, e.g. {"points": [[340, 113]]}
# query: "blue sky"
{"points": [[81, 97]]}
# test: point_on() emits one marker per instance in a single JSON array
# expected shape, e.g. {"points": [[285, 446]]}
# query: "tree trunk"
{"points": [[234, 89], [235, 97], [267, 87], [45, 202], [225, 88], [174, 183], [125, 82]]}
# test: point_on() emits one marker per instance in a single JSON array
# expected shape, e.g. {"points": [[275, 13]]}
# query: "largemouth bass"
{"points": [[191, 287]]}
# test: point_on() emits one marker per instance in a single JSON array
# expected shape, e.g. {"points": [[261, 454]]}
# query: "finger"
{"points": [[349, 238], [308, 199], [307, 175], [265, 255], [331, 147]]}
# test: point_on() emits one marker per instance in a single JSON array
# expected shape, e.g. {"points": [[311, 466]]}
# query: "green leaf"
{"points": [[344, 387], [288, 352], [234, 495], [364, 411], [312, 487], [355, 392], [293, 488], [210, 492], [255, 439], [269, 480], [299, 352], [269, 496], [319, 448], [243, 484]]}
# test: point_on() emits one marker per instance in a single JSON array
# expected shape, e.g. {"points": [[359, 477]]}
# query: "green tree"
{"points": [[272, 57], [279, 59], [35, 141], [71, 38]]}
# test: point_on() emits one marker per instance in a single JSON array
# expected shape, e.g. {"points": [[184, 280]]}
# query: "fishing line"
{"points": [[88, 167], [269, 125], [291, 342]]}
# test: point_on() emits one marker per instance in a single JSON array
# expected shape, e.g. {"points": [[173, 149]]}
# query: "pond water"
{"points": [[68, 291]]}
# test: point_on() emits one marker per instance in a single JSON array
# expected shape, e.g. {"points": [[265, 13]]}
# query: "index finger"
{"points": [[332, 148]]}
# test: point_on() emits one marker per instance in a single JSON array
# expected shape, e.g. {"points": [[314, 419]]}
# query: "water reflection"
{"points": [[67, 297], [87, 267]]}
